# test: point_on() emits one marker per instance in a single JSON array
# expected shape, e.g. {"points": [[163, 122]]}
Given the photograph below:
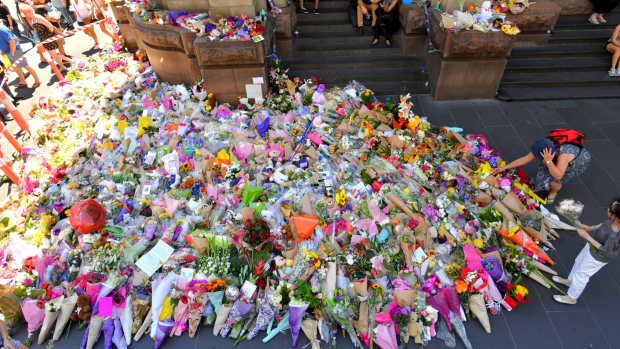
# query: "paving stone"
{"points": [[607, 154], [520, 118], [595, 111], [578, 330], [437, 113], [577, 120], [610, 129], [464, 113]]}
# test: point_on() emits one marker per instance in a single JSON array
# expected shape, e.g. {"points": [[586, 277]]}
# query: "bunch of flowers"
{"points": [[256, 232]]}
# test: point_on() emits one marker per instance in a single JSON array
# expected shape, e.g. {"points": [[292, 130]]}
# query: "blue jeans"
{"points": [[19, 34], [63, 11]]}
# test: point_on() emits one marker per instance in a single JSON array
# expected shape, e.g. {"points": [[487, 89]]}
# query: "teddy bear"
{"points": [[83, 310], [414, 329], [245, 214], [103, 238]]}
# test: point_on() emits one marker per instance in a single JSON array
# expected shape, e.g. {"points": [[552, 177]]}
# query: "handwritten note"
{"points": [[155, 258], [253, 90]]}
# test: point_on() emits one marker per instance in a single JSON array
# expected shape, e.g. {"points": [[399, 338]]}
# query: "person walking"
{"points": [[99, 7], [46, 30], [82, 11], [61, 6], [603, 246], [303, 9], [8, 342], [602, 7], [363, 6], [10, 46], [562, 156], [385, 22], [10, 22], [613, 46]]}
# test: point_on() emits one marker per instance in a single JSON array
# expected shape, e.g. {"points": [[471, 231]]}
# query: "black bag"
{"points": [[368, 19]]}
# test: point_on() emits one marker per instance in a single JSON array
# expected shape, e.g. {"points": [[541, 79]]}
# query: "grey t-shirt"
{"points": [[609, 240]]}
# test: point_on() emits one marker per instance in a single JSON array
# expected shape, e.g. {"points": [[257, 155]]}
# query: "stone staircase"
{"points": [[573, 65], [329, 48]]}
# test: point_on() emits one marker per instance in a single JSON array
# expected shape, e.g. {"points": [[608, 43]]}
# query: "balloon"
{"points": [[87, 216], [407, 2]]}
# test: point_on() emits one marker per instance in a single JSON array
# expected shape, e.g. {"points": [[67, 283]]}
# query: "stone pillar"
{"points": [[285, 25], [412, 19], [124, 24], [469, 64], [535, 23], [227, 66], [170, 50], [226, 8]]}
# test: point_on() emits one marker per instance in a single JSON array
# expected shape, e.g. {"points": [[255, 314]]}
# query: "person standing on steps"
{"points": [[303, 9], [387, 13], [613, 46], [363, 6], [600, 8], [603, 247], [563, 158], [10, 47]]}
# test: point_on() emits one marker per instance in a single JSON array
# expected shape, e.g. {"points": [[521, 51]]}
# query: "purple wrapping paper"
{"points": [[163, 330], [85, 339], [441, 305], [108, 333], [495, 270], [296, 315], [452, 298], [265, 315], [173, 15], [118, 338], [238, 311]]}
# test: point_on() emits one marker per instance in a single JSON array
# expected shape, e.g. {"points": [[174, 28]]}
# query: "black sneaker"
{"points": [[303, 10], [316, 11]]}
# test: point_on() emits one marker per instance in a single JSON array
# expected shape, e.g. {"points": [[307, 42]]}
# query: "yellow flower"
{"points": [[522, 290], [479, 243], [208, 108], [341, 198]]}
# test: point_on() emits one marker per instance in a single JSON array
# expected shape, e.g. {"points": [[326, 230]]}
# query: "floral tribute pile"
{"points": [[148, 208]]}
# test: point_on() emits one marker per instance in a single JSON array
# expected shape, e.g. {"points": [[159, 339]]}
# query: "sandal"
{"points": [[36, 85], [388, 44], [375, 43], [601, 20], [565, 300], [550, 201], [593, 21], [21, 85], [559, 280]]}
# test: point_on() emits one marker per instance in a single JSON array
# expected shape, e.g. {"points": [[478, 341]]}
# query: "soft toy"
{"points": [[103, 238], [83, 310], [414, 329], [245, 214]]}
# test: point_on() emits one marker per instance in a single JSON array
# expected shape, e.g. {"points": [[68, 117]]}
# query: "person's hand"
{"points": [[548, 154], [364, 10], [582, 233], [587, 227], [8, 344], [499, 170]]}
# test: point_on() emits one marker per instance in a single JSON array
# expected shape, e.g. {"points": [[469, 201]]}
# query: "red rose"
{"points": [[520, 298], [510, 286]]}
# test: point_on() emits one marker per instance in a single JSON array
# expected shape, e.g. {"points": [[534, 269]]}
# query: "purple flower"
{"points": [[320, 88]]}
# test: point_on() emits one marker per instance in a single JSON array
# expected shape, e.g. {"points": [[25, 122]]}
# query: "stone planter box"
{"points": [[170, 50], [535, 23], [574, 7], [412, 19], [470, 43], [469, 65], [226, 8], [118, 11], [195, 6]]}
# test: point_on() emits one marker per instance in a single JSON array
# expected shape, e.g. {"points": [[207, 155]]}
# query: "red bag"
{"points": [[564, 135], [87, 216]]}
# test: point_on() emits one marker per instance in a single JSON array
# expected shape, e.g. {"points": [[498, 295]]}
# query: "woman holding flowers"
{"points": [[603, 247]]}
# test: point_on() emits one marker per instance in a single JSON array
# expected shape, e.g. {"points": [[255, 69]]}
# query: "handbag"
{"points": [[60, 41]]}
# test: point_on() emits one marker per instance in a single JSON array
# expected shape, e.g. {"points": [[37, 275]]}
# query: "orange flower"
{"points": [[460, 286]]}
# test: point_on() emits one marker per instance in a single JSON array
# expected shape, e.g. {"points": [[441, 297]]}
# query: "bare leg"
{"points": [[615, 50], [20, 73], [301, 3], [59, 58], [61, 49], [105, 30], [316, 4], [91, 32], [593, 18], [33, 73], [555, 187]]}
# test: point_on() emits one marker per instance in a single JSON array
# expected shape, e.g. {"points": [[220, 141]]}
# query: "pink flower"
{"points": [[27, 282]]}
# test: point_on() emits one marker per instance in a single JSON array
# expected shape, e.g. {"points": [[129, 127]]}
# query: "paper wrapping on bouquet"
{"points": [[196, 309], [544, 268], [238, 311], [304, 225], [310, 328], [329, 284], [94, 329], [108, 333], [386, 336], [145, 326], [181, 315], [251, 194], [493, 267], [511, 200], [398, 202], [34, 315], [87, 216], [141, 307], [117, 336], [361, 325], [127, 319], [508, 216], [526, 242], [104, 291], [408, 252], [283, 325], [452, 299], [222, 315], [216, 299], [404, 297], [10, 306], [163, 329], [265, 314], [66, 308], [541, 234], [200, 243], [160, 292], [49, 319], [478, 308], [440, 303], [296, 315], [92, 290], [557, 224]]}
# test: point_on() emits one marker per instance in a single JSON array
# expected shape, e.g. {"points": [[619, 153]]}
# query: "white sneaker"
{"points": [[613, 72], [97, 47]]}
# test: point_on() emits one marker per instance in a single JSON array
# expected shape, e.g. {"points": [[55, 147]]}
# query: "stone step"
{"points": [[353, 52], [559, 79], [568, 64], [338, 30], [337, 40], [323, 18], [346, 46], [556, 93], [419, 64], [325, 6], [560, 50], [583, 24], [580, 36], [373, 74], [328, 61]]}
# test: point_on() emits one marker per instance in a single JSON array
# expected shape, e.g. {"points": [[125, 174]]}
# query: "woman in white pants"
{"points": [[603, 247]]}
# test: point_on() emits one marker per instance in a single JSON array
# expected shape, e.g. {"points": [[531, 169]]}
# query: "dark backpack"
{"points": [[565, 135]]}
